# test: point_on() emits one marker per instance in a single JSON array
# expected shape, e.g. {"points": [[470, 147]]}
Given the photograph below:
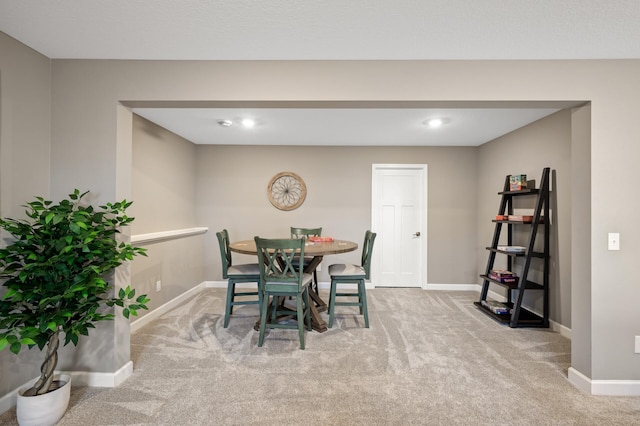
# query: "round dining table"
{"points": [[317, 250]]}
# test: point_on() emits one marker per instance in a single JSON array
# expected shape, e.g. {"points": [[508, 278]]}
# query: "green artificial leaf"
{"points": [[3, 343], [15, 347], [10, 293], [142, 299], [125, 312]]}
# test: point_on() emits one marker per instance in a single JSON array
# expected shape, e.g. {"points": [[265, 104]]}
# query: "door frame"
{"points": [[376, 216]]}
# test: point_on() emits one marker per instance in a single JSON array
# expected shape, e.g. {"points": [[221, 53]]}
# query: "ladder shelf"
{"points": [[516, 315]]}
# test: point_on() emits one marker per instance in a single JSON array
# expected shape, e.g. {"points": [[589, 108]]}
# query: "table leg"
{"points": [[311, 269], [316, 305], [317, 323]]}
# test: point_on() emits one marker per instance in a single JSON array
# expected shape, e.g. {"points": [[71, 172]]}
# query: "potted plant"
{"points": [[56, 269]]}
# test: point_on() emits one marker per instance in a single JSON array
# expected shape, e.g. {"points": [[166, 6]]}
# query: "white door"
{"points": [[399, 217]]}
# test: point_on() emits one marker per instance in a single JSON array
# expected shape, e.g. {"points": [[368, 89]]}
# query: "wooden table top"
{"points": [[310, 248]]}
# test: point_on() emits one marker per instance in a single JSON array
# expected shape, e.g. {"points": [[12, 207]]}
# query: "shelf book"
{"points": [[512, 249], [503, 276], [497, 308]]}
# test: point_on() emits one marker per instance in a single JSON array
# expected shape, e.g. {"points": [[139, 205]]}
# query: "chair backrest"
{"points": [[275, 257], [305, 232], [367, 249], [225, 253]]}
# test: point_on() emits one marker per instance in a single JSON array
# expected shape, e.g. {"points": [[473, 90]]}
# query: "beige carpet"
{"points": [[429, 358]]}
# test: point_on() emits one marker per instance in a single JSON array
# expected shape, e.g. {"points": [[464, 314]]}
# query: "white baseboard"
{"points": [[559, 328], [101, 380], [579, 380], [452, 287], [603, 387], [158, 312]]}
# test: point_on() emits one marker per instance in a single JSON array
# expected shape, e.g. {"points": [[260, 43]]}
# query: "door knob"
{"points": [[417, 234]]}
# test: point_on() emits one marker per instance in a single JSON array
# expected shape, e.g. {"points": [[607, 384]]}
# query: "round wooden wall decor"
{"points": [[286, 191]]}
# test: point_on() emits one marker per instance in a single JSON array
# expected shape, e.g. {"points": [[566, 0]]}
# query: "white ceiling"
{"points": [[343, 126], [327, 29], [331, 30]]}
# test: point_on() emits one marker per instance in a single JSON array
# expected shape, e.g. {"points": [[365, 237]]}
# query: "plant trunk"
{"points": [[43, 385]]}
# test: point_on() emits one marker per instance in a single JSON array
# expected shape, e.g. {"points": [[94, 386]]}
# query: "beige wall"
{"points": [[232, 194], [545, 143], [25, 125], [25, 119], [164, 180], [581, 239]]}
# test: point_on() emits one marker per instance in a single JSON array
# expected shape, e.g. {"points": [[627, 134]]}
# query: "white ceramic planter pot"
{"points": [[44, 410]]}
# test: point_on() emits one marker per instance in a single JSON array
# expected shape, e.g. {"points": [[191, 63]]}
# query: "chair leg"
{"points": [[332, 302], [274, 308], [263, 319], [231, 290], [307, 311], [300, 312], [260, 297], [363, 302]]}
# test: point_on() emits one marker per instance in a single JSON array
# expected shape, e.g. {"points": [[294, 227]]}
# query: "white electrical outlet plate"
{"points": [[158, 285], [637, 345], [614, 241]]}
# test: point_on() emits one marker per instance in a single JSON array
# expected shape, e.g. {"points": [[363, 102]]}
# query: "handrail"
{"points": [[153, 237]]}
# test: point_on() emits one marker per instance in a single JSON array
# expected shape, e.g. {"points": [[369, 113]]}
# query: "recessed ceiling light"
{"points": [[225, 123], [248, 122], [436, 122]]}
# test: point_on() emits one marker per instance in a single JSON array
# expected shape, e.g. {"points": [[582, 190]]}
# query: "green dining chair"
{"points": [[352, 274], [246, 273], [306, 233], [281, 279]]}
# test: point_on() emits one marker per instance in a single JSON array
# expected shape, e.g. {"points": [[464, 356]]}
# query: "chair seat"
{"points": [[306, 280], [246, 269], [342, 270]]}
